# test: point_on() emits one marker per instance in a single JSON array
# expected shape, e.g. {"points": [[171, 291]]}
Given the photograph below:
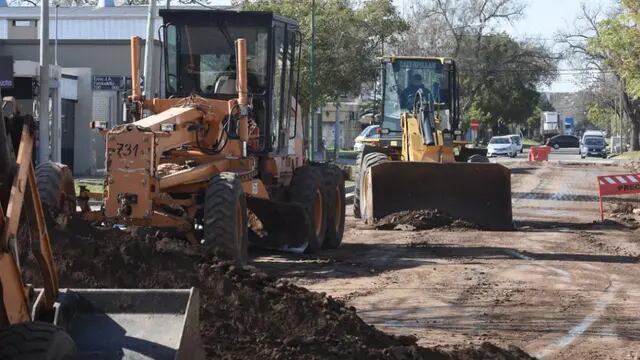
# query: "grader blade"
{"points": [[477, 193], [284, 224], [132, 323]]}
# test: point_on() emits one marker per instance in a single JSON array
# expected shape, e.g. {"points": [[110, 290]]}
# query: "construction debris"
{"points": [[413, 220], [244, 312]]}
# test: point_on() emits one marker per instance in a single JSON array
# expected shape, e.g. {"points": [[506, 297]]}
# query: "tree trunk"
{"points": [[635, 132]]}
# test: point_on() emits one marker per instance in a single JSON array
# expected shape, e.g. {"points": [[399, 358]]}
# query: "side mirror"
{"points": [[383, 131]]}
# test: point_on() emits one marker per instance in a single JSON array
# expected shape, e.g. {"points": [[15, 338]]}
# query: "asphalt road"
{"points": [[560, 286]]}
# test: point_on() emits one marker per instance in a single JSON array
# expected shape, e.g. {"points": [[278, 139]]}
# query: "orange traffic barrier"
{"points": [[539, 153], [624, 184]]}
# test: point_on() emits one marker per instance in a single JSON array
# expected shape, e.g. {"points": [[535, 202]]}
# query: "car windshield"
{"points": [[403, 78], [594, 141], [499, 141]]}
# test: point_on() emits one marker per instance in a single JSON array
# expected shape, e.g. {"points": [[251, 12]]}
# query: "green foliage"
{"points": [[348, 39], [603, 118], [475, 112], [618, 44], [502, 81]]}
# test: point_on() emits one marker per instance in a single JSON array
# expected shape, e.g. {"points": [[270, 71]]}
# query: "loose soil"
{"points": [[245, 313], [414, 220]]}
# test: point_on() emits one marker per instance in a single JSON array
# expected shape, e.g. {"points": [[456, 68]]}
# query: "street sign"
{"points": [[625, 184], [474, 124], [109, 82], [6, 71]]}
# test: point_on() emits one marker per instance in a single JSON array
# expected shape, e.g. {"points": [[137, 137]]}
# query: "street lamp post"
{"points": [[312, 80]]}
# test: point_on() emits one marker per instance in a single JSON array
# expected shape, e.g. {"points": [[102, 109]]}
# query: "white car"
{"points": [[502, 145], [518, 141], [369, 133]]}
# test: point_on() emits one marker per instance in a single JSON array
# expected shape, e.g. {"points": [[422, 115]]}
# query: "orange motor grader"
{"points": [[221, 156]]}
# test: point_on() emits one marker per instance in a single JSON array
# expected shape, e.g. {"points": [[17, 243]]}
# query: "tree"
{"points": [[348, 38], [499, 75], [608, 43]]}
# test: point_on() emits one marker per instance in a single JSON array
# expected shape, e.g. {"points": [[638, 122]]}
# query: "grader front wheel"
{"points": [[225, 218], [335, 206]]}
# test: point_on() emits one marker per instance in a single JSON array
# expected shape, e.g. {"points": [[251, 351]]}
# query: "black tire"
{"points": [[307, 190], [36, 341], [225, 218], [334, 205], [57, 192], [356, 189], [477, 158], [368, 161], [556, 146]]}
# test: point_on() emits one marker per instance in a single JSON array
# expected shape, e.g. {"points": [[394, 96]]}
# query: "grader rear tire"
{"points": [[36, 341], [335, 206], [225, 218], [57, 192], [368, 161], [307, 190]]}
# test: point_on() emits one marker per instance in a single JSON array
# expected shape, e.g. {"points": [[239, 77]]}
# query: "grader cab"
{"points": [[221, 156]]}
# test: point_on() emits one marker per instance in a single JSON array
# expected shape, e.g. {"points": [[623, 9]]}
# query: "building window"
{"points": [[23, 23]]}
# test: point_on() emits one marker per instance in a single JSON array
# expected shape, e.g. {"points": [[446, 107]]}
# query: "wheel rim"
{"points": [[317, 212], [338, 209], [364, 189], [239, 230]]}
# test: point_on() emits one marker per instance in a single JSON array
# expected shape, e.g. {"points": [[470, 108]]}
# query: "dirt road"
{"points": [[560, 286]]}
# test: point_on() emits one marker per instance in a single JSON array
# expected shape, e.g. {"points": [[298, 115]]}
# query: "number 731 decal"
{"points": [[126, 150]]}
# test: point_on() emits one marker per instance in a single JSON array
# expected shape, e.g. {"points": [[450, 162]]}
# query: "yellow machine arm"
{"points": [[414, 145]]}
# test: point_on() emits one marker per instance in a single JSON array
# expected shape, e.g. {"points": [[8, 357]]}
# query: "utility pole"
{"points": [[312, 80], [621, 115], [55, 44], [336, 133], [43, 108], [148, 51]]}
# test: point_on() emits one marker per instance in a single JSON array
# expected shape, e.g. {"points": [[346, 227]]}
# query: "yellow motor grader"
{"points": [[220, 157], [420, 161], [64, 324]]}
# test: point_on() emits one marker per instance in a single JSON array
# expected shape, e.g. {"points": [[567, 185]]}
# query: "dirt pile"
{"points": [[245, 314], [413, 220], [623, 208]]}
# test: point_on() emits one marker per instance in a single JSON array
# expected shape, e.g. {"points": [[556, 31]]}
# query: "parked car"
{"points": [[502, 145], [518, 141], [369, 133], [563, 141], [593, 146], [592, 133]]}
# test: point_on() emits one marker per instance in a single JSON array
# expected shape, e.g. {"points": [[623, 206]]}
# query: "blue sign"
{"points": [[568, 121], [6, 71]]}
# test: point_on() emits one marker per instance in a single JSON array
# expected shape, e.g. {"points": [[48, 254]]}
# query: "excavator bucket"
{"points": [[478, 193], [132, 323]]}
